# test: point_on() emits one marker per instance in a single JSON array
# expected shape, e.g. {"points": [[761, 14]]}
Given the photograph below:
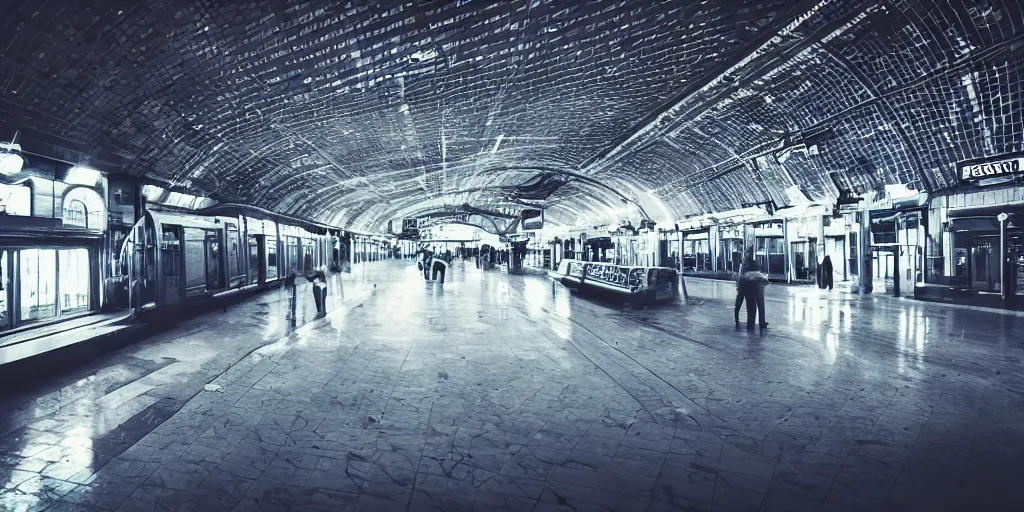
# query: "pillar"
{"points": [[1004, 258], [787, 250], [864, 246]]}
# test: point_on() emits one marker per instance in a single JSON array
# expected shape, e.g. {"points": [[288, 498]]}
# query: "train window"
{"points": [[74, 280], [170, 248], [271, 257], [38, 283], [254, 259], [307, 255], [292, 254], [213, 261], [235, 262], [5, 317]]}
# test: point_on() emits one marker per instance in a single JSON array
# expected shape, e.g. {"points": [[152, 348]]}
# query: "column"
{"points": [[864, 247], [787, 250], [1004, 259]]}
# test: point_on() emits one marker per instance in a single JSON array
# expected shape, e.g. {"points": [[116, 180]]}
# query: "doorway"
{"points": [[213, 274], [835, 249], [985, 251]]}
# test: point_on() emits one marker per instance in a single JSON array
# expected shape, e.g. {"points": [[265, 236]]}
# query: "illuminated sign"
{"points": [[973, 170]]}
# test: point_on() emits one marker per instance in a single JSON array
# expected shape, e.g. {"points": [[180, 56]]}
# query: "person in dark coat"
{"points": [[740, 293], [753, 282], [826, 273]]}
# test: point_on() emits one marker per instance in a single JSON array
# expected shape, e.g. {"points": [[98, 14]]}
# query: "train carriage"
{"points": [[173, 257]]}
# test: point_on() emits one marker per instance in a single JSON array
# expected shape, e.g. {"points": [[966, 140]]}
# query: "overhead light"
{"points": [[79, 175], [11, 161]]}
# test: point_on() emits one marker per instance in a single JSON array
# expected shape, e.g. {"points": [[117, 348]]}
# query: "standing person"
{"points": [[753, 283], [826, 273], [740, 293]]}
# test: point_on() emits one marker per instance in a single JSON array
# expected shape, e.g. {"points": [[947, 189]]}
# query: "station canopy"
{"points": [[355, 113]]}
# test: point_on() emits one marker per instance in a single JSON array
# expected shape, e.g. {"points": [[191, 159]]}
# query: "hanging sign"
{"points": [[973, 170]]}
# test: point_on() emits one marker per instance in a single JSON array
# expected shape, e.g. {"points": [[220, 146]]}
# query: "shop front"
{"points": [[977, 248], [897, 247], [981, 240], [53, 220]]}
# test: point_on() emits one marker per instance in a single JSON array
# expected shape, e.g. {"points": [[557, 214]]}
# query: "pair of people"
{"points": [[750, 285]]}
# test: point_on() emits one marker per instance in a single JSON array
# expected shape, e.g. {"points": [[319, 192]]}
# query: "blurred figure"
{"points": [[826, 274], [753, 282], [740, 294]]}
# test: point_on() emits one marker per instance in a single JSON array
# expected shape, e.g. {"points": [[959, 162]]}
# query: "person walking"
{"points": [[740, 294], [826, 273], [753, 283]]}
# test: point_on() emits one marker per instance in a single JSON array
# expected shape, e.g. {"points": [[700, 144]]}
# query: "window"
{"points": [[74, 280], [38, 280], [731, 257], [292, 254], [307, 255], [696, 254], [76, 214], [254, 259], [235, 261], [771, 258], [271, 257]]}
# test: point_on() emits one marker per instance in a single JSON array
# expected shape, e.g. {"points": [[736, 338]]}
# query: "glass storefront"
{"points": [[73, 276], [42, 284], [1015, 262], [38, 282]]}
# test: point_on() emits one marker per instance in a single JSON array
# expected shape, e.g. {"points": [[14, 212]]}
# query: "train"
{"points": [[172, 257], [636, 284]]}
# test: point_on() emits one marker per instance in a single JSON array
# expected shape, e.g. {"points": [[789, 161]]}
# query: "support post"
{"points": [[1003, 259], [864, 241]]}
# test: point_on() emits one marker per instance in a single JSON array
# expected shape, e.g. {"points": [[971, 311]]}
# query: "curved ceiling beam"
{"points": [[571, 174]]}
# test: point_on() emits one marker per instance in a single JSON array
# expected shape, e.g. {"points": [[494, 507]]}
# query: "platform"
{"points": [[499, 392]]}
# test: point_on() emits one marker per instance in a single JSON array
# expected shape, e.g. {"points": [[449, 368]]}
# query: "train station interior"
{"points": [[517, 255]]}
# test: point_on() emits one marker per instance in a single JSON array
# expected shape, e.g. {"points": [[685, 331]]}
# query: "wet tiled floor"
{"points": [[498, 392]]}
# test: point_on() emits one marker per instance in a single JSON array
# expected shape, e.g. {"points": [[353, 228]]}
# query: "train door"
{"points": [[147, 269], [291, 261], [195, 262], [214, 276], [234, 267], [270, 248], [256, 272], [171, 263]]}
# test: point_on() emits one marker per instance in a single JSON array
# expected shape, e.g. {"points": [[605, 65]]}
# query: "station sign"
{"points": [[974, 170]]}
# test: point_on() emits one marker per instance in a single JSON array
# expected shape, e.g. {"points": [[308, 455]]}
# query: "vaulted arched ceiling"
{"points": [[357, 112]]}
